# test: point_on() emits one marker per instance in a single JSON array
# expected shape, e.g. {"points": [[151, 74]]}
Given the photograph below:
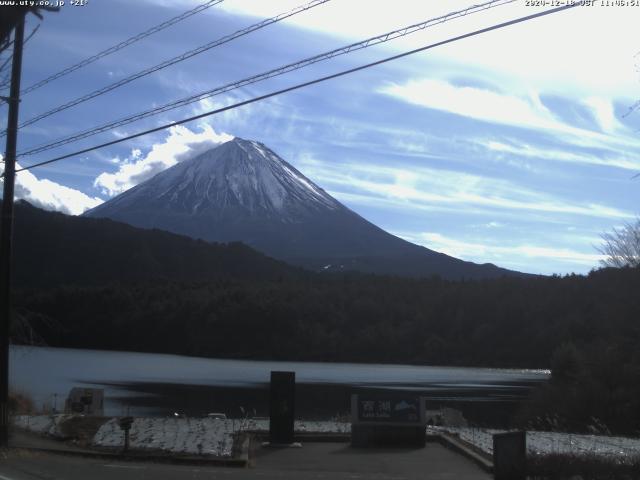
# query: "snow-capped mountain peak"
{"points": [[242, 191], [237, 174], [239, 177]]}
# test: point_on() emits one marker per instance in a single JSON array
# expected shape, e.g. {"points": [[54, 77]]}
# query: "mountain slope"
{"points": [[243, 191], [52, 249]]}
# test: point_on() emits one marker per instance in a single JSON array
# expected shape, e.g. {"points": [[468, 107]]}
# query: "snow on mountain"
{"points": [[243, 191], [238, 174]]}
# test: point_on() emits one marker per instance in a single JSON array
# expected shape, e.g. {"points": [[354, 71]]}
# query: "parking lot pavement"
{"points": [[339, 460]]}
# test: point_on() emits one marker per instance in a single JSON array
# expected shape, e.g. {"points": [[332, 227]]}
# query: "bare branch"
{"points": [[622, 246]]}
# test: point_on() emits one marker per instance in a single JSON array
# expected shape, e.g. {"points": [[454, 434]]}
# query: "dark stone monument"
{"points": [[282, 408], [389, 419], [510, 456]]}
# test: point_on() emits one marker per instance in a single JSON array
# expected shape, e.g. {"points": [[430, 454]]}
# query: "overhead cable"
{"points": [[121, 45], [386, 37], [306, 84], [172, 61]]}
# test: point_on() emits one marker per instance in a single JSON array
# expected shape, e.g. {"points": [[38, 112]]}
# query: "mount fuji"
{"points": [[242, 191]]}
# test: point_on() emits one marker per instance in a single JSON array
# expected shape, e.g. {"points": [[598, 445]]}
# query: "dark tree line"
{"points": [[507, 322]]}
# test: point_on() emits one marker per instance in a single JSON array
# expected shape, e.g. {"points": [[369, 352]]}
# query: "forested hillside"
{"points": [[52, 249], [348, 317]]}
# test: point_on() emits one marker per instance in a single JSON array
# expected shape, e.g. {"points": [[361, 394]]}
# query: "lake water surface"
{"points": [[158, 384]]}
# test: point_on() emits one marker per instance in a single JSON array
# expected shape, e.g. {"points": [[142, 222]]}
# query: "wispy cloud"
{"points": [[535, 51], [531, 151], [428, 188], [478, 103], [603, 112], [513, 110], [509, 254]]}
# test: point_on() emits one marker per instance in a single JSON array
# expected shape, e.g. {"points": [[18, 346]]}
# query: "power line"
{"points": [[6, 45], [306, 84], [121, 45], [269, 74], [3, 66], [631, 109], [10, 58], [174, 60]]}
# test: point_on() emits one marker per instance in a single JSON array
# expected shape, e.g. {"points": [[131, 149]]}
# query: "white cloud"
{"points": [[237, 117], [429, 188], [519, 110], [50, 195], [336, 18], [525, 150], [559, 52], [473, 102], [604, 114], [502, 254], [182, 143]]}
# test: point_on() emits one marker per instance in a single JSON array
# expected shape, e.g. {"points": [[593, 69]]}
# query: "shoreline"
{"points": [[493, 406]]}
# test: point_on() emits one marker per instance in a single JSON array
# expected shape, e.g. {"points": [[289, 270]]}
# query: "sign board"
{"points": [[282, 407], [510, 456], [391, 409], [87, 401], [388, 419], [125, 423]]}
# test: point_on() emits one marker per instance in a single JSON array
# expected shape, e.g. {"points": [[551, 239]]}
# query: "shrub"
{"points": [[20, 404]]}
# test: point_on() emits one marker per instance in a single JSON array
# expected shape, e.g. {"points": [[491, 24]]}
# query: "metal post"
{"points": [[6, 229], [126, 440]]}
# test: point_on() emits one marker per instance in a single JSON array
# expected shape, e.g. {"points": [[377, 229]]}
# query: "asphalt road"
{"points": [[312, 461]]}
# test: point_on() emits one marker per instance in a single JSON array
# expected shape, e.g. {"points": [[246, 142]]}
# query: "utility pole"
{"points": [[6, 228]]}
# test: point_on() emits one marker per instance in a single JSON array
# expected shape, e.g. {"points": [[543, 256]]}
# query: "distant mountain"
{"points": [[52, 249], [242, 191]]}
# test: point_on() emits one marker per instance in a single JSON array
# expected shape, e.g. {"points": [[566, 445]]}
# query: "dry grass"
{"points": [[21, 404]]}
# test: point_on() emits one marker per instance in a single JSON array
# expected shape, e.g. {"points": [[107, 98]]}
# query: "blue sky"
{"points": [[510, 148]]}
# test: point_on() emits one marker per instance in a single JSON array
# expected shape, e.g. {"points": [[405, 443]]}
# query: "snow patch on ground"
{"points": [[195, 436], [198, 436], [541, 443], [43, 424], [302, 426], [214, 437]]}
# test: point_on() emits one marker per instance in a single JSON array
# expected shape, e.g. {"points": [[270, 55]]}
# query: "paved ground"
{"points": [[312, 461], [23, 439], [339, 460]]}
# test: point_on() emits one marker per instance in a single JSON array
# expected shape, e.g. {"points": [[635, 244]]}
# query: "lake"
{"points": [[157, 384]]}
